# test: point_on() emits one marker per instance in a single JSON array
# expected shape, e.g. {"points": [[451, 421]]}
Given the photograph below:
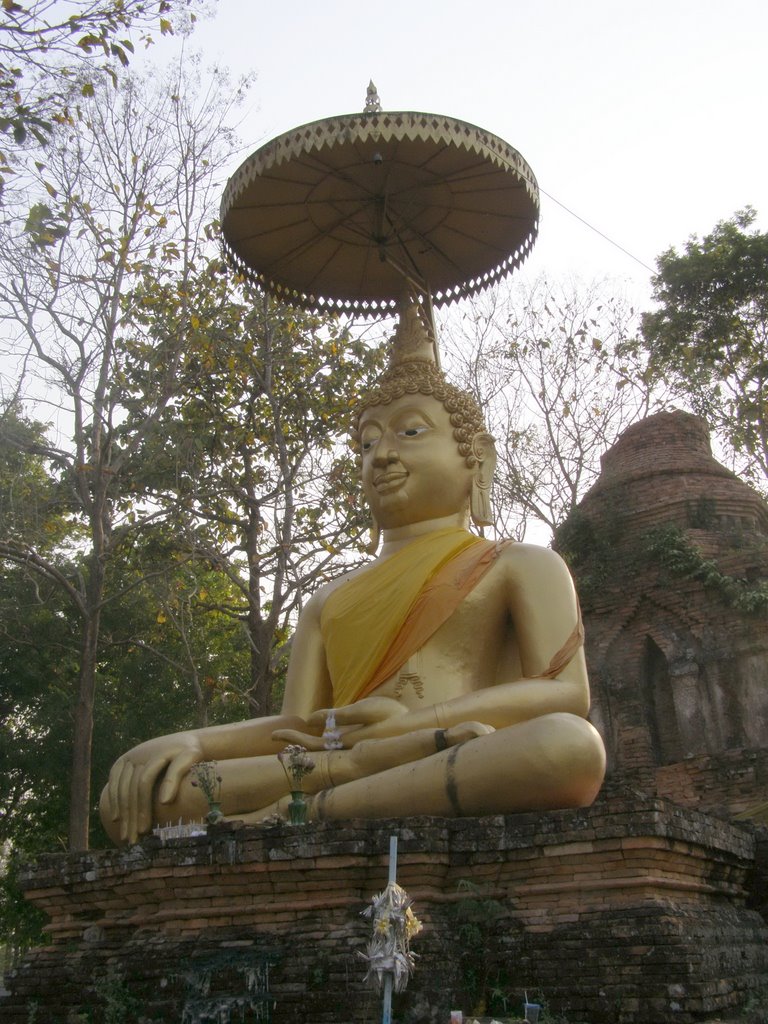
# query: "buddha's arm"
{"points": [[167, 759], [497, 706], [307, 683]]}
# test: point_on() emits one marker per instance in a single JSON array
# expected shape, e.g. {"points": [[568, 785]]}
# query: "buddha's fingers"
{"points": [[134, 809], [177, 770], [145, 784], [466, 731], [367, 711], [112, 788], [302, 739], [123, 799]]}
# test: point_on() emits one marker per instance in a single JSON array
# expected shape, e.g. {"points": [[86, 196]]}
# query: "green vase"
{"points": [[297, 808], [214, 815]]}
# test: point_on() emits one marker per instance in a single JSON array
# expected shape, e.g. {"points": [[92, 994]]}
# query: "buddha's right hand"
{"points": [[352, 719], [133, 778], [363, 712]]}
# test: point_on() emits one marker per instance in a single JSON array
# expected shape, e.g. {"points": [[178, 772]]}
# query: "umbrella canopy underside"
{"points": [[335, 214]]}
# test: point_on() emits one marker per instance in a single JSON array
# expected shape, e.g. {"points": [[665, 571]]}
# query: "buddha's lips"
{"points": [[389, 481]]}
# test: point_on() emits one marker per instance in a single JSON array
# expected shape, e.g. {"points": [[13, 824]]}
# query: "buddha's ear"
{"points": [[484, 452]]}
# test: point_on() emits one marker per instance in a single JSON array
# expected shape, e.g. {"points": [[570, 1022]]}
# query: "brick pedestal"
{"points": [[631, 912]]}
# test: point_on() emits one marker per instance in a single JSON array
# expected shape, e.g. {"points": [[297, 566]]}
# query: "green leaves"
{"points": [[249, 460], [45, 227], [44, 48], [710, 332], [112, 215]]}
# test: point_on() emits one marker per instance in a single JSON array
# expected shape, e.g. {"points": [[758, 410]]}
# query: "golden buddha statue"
{"points": [[454, 664]]}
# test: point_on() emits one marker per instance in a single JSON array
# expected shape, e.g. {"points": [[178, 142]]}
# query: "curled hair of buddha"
{"points": [[413, 370], [419, 377]]}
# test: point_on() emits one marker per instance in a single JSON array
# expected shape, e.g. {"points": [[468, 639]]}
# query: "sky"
{"points": [[645, 119]]}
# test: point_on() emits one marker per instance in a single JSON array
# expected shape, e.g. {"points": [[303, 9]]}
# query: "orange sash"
{"points": [[373, 623]]}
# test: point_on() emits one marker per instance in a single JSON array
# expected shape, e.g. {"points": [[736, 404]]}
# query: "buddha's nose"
{"points": [[384, 457]]}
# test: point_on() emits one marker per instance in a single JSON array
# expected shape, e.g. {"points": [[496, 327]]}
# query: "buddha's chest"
{"points": [[472, 649]]}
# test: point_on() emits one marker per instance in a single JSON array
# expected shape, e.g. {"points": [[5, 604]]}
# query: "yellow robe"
{"points": [[375, 621]]}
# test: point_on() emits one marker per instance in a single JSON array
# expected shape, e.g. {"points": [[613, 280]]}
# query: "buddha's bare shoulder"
{"points": [[520, 561]]}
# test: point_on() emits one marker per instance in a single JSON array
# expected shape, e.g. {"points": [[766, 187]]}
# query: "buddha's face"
{"points": [[412, 468]]}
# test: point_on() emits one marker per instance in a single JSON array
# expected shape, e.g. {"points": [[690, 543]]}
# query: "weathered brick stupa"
{"points": [[670, 553]]}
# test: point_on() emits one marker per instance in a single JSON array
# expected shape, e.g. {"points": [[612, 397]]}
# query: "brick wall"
{"points": [[725, 784]]}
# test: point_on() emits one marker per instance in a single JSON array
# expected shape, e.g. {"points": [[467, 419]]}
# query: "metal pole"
{"points": [[433, 328], [386, 1016], [392, 859]]}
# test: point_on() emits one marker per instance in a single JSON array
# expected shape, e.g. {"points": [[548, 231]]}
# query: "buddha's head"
{"points": [[423, 446]]}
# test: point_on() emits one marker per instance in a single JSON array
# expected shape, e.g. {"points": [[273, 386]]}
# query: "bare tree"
{"points": [[124, 197], [561, 374]]}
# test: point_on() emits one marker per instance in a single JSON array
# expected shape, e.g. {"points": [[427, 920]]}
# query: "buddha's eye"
{"points": [[412, 431]]}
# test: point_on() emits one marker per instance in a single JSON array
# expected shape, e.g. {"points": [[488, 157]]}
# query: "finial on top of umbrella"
{"points": [[372, 101]]}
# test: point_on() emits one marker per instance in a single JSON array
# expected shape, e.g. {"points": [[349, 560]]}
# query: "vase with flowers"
{"points": [[206, 778], [296, 764]]}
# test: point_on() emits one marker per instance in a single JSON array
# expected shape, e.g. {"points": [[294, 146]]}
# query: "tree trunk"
{"points": [[82, 732], [82, 739], [261, 665]]}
